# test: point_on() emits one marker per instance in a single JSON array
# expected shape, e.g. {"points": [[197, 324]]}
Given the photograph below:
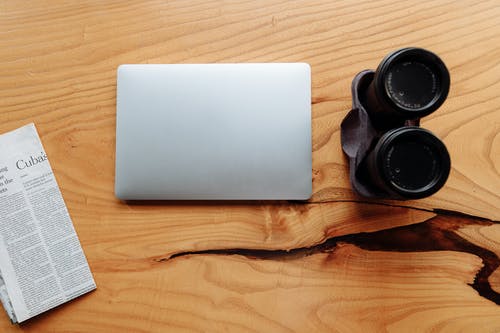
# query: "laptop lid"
{"points": [[213, 131]]}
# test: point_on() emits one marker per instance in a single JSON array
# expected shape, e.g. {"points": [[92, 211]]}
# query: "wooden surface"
{"points": [[337, 263]]}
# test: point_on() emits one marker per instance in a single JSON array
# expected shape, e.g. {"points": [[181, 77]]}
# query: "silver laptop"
{"points": [[213, 132]]}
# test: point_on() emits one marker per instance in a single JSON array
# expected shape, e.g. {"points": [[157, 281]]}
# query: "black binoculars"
{"points": [[390, 156]]}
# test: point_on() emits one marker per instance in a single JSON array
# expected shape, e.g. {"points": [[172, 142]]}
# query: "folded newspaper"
{"points": [[42, 264]]}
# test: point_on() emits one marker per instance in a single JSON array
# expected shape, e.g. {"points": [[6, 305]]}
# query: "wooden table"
{"points": [[337, 263]]}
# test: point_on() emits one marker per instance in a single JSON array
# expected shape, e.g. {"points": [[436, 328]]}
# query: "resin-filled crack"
{"points": [[435, 234]]}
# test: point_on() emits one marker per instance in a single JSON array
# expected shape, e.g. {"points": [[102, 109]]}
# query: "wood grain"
{"points": [[321, 266], [346, 290], [59, 67], [487, 237]]}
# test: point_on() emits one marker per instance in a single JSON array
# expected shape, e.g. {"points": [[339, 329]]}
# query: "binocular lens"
{"points": [[409, 83], [410, 165], [409, 162]]}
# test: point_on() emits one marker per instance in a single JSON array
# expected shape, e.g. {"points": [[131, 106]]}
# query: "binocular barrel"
{"points": [[409, 162], [409, 83]]}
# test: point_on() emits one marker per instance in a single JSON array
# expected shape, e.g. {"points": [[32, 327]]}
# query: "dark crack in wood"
{"points": [[436, 234]]}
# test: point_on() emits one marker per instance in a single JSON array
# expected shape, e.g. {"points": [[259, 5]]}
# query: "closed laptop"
{"points": [[213, 132]]}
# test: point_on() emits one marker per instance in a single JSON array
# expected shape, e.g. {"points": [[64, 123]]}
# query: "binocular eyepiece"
{"points": [[390, 156]]}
